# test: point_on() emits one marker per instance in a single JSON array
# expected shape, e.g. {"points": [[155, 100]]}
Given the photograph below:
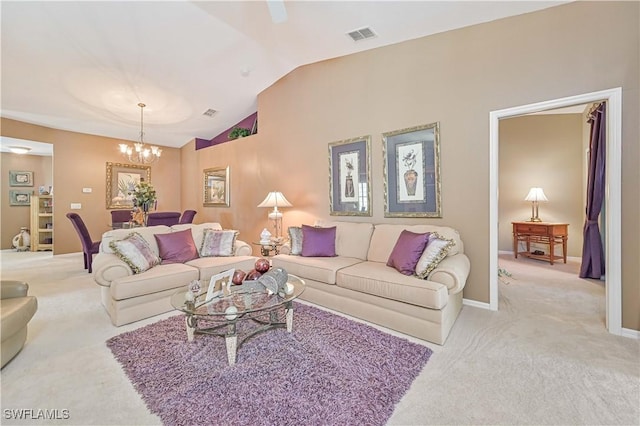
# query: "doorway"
{"points": [[612, 201]]}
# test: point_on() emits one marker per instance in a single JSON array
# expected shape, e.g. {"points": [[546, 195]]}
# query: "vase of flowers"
{"points": [[144, 199]]}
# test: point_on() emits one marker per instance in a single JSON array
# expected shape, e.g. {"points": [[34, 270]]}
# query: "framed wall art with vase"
{"points": [[121, 182], [216, 187], [20, 178], [349, 177], [412, 172]]}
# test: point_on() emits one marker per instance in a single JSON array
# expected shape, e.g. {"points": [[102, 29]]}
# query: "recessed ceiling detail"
{"points": [[362, 34]]}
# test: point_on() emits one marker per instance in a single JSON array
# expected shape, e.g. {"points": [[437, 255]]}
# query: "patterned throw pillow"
{"points": [[135, 252], [218, 243], [295, 239], [437, 249]]}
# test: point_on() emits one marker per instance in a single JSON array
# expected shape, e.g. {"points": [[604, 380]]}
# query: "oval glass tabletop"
{"points": [[249, 297]]}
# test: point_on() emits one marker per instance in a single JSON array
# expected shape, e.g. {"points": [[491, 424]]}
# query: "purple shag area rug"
{"points": [[329, 371]]}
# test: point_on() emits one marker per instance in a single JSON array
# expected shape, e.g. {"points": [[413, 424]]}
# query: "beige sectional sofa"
{"points": [[359, 283], [130, 297]]}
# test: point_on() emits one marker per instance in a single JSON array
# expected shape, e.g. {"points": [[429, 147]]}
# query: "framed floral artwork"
{"points": [[121, 181], [412, 172], [349, 177], [216, 187]]}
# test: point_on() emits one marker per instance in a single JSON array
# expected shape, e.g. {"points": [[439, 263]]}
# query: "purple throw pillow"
{"points": [[177, 247], [318, 242], [407, 251]]}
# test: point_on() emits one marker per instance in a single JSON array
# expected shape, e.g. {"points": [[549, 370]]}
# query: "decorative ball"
{"points": [[231, 313], [262, 265], [238, 276], [253, 275]]}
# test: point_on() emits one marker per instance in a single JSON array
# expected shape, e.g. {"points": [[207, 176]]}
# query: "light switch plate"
{"points": [[87, 190], [76, 206]]}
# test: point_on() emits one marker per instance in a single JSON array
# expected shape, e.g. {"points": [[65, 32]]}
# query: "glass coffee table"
{"points": [[221, 315]]}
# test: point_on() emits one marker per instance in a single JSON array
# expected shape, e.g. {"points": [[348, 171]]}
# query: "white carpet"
{"points": [[543, 358]]}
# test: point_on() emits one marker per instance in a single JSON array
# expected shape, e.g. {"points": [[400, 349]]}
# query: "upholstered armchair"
{"points": [[16, 310]]}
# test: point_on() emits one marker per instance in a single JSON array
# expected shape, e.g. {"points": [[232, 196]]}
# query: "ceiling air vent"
{"points": [[361, 34], [210, 112]]}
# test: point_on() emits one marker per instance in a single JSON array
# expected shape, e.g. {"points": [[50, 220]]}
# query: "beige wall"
{"points": [[544, 151], [79, 161], [456, 78], [12, 218]]}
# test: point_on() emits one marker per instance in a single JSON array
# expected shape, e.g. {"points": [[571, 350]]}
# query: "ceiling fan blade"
{"points": [[277, 11]]}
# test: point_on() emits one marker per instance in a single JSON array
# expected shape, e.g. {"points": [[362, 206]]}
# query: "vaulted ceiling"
{"points": [[84, 66]]}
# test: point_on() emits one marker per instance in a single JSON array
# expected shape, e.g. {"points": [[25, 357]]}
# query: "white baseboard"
{"points": [[476, 304], [630, 333]]}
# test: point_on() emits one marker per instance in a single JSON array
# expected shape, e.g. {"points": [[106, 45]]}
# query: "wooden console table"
{"points": [[541, 233]]}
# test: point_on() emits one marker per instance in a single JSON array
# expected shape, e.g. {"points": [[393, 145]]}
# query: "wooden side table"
{"points": [[541, 233]]}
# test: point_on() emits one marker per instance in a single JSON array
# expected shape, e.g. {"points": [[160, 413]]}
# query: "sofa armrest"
{"points": [[242, 249], [13, 289], [108, 267], [285, 248], [452, 272]]}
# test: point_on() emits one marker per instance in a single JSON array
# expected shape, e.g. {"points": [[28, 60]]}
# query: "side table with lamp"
{"points": [[538, 232]]}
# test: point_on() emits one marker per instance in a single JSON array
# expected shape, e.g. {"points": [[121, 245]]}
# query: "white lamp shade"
{"points": [[536, 194], [275, 199]]}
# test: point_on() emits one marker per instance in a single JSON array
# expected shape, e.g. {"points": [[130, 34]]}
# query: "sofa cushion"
{"points": [[318, 242], [321, 269], [135, 252], [352, 238], [176, 247], [379, 280], [407, 252], [218, 243], [436, 250], [385, 235], [160, 278], [295, 240]]}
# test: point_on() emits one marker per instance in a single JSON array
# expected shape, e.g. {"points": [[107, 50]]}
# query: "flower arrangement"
{"points": [[144, 195]]}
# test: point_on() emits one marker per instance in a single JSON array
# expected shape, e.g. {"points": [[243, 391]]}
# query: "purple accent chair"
{"points": [[187, 216], [89, 247], [120, 217], [163, 218]]}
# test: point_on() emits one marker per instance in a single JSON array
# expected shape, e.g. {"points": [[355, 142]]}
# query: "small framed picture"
{"points": [[20, 178], [219, 285], [19, 198], [216, 187]]}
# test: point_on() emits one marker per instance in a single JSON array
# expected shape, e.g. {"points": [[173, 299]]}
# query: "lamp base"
{"points": [[535, 219]]}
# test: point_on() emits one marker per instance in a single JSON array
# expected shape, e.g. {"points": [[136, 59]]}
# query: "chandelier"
{"points": [[140, 153]]}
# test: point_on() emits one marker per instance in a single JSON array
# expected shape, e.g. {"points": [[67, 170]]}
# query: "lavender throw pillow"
{"points": [[177, 247], [318, 242], [135, 252], [407, 251], [295, 240]]}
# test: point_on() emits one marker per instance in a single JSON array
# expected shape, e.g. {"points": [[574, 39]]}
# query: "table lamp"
{"points": [[275, 199], [535, 195]]}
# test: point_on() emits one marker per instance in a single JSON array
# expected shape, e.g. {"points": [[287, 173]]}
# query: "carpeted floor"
{"points": [[543, 358], [329, 370]]}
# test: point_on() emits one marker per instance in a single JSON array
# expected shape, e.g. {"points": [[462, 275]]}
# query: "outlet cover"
{"points": [[76, 206], [87, 190]]}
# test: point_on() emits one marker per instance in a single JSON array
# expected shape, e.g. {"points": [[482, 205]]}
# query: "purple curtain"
{"points": [[592, 250]]}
